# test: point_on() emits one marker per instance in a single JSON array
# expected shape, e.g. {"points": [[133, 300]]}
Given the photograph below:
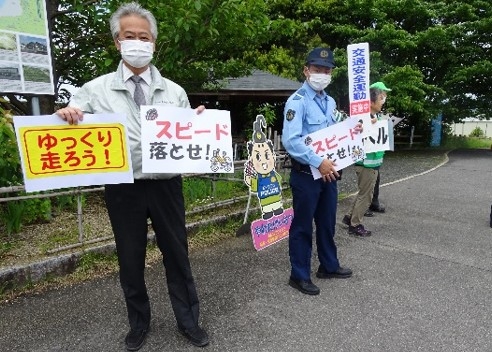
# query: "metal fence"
{"points": [[282, 166]]}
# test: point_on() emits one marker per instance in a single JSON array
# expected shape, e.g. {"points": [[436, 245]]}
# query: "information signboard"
{"points": [[25, 55]]}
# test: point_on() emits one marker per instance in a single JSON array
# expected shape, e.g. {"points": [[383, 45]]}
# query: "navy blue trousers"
{"points": [[312, 199]]}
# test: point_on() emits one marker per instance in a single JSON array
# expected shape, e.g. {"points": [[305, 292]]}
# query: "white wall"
{"points": [[466, 127]]}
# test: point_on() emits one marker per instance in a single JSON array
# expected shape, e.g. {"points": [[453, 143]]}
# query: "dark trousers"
{"points": [[129, 207], [312, 199], [491, 216], [375, 195]]}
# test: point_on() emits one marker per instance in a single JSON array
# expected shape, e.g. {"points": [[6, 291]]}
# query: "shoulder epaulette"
{"points": [[299, 94]]}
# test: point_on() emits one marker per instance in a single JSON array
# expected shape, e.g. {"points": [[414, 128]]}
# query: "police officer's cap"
{"points": [[321, 57]]}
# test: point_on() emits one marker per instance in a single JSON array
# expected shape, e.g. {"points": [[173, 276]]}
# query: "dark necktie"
{"points": [[138, 96]]}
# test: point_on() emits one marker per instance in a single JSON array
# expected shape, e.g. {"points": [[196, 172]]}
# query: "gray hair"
{"points": [[375, 93], [129, 9]]}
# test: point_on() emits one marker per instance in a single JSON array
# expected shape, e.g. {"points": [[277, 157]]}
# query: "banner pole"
{"points": [[36, 111]]}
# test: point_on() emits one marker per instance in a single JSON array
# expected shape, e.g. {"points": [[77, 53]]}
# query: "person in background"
{"points": [[491, 216], [155, 196], [376, 206], [367, 170], [308, 110]]}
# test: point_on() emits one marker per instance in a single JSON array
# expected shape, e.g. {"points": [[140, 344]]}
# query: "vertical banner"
{"points": [[25, 55], [358, 75]]}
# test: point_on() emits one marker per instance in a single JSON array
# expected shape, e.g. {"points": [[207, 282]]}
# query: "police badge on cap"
{"points": [[321, 57]]}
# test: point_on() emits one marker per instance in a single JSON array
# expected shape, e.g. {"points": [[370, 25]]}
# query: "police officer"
{"points": [[308, 110]]}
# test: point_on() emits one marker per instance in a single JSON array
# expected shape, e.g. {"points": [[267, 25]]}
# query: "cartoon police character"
{"points": [[260, 174]]}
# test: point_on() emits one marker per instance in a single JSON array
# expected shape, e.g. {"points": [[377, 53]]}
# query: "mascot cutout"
{"points": [[262, 179]]}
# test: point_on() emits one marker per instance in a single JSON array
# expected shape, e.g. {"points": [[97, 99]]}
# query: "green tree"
{"points": [[199, 41], [435, 54]]}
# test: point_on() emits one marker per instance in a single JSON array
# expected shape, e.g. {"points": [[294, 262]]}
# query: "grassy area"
{"points": [[461, 142], [96, 265]]}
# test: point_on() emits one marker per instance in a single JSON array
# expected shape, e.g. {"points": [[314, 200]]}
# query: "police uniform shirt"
{"points": [[306, 113]]}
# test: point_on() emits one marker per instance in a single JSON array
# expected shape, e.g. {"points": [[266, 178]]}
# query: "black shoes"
{"points": [[346, 220], [196, 336], [135, 339], [378, 209], [369, 213], [305, 286], [340, 273], [359, 230]]}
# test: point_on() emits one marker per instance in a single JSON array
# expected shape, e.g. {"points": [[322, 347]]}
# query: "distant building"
{"points": [[466, 127], [35, 48]]}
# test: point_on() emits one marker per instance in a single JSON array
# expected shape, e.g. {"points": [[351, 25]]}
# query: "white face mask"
{"points": [[319, 81], [136, 52]]}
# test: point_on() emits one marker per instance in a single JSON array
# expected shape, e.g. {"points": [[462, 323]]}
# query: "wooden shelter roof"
{"points": [[259, 85]]}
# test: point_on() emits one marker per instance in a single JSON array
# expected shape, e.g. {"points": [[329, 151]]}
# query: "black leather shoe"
{"points": [[379, 209], [135, 339], [196, 336], [346, 220], [359, 230], [305, 286], [340, 273]]}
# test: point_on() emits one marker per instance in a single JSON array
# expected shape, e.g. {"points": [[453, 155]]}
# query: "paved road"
{"points": [[422, 282]]}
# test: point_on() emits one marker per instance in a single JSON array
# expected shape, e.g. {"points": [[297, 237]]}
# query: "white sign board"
{"points": [[338, 143], [178, 140]]}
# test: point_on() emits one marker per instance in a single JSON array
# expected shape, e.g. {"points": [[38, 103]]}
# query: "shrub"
{"points": [[477, 132], [14, 213], [10, 166]]}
